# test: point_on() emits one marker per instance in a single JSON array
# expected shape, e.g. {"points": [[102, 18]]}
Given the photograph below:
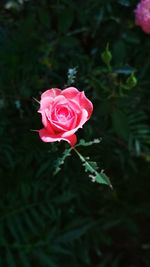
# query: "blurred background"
{"points": [[65, 219]]}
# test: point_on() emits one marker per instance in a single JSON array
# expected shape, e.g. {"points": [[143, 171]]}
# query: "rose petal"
{"points": [[45, 103], [46, 122], [86, 104], [56, 126], [83, 119], [48, 97], [79, 99], [47, 137], [59, 100], [51, 93], [66, 126], [74, 105], [70, 92]]}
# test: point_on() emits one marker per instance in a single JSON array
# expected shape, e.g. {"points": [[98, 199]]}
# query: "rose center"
{"points": [[63, 114]]}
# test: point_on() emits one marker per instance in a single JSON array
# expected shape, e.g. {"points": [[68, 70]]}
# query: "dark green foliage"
{"points": [[51, 213]]}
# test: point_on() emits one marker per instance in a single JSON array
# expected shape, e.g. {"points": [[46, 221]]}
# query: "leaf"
{"points": [[60, 161], [37, 217], [125, 70], [61, 250], [137, 147], [92, 167], [10, 259], [45, 259], [72, 72], [131, 38], [137, 117], [74, 234], [24, 260], [65, 20], [119, 52], [2, 235], [43, 168], [124, 2], [30, 224], [120, 124], [139, 132], [13, 229], [84, 143], [18, 226]]}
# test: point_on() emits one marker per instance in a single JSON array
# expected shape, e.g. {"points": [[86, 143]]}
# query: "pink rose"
{"points": [[142, 15], [63, 113]]}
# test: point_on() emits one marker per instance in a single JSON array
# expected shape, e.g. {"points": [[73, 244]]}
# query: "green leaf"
{"points": [[10, 259], [13, 229], [2, 235], [17, 225], [72, 72], [124, 2], [45, 259], [60, 161], [125, 70], [65, 20], [30, 224], [74, 234], [84, 143], [61, 250], [120, 124], [92, 167], [119, 52], [43, 168], [37, 217], [24, 260]]}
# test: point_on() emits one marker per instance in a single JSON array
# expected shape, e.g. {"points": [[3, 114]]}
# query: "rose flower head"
{"points": [[63, 113], [142, 15]]}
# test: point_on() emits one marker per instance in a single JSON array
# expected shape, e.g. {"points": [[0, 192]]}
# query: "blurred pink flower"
{"points": [[142, 15]]}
